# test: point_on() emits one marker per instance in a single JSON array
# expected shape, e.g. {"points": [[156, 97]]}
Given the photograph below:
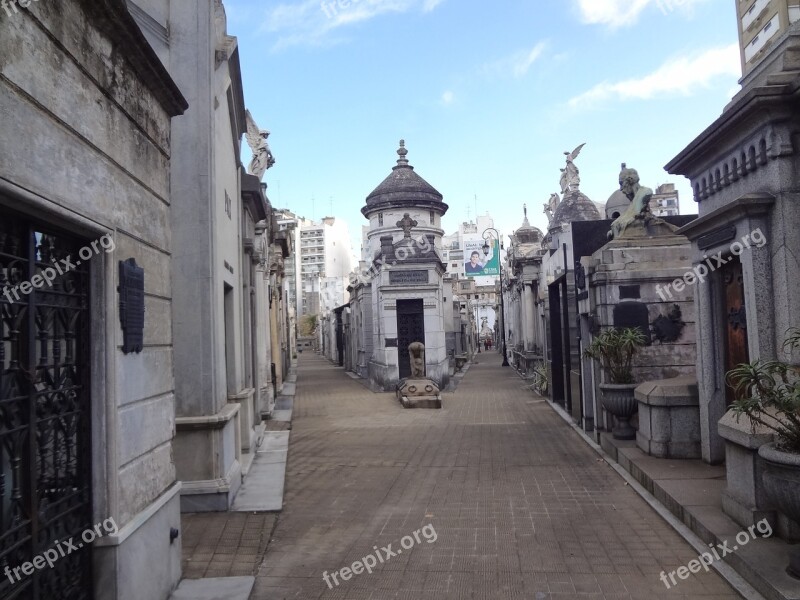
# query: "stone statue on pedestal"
{"points": [[570, 175], [638, 213], [551, 206], [418, 391], [416, 352], [257, 140]]}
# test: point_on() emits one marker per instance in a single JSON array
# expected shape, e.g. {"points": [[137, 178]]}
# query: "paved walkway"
{"points": [[518, 504]]}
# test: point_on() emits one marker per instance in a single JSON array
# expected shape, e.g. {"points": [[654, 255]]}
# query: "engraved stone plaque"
{"points": [[406, 277]]}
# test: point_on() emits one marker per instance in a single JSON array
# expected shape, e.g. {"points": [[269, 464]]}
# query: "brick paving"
{"points": [[522, 507], [228, 544]]}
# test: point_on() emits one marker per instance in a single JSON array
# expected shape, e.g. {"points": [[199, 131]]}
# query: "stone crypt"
{"points": [[407, 292]]}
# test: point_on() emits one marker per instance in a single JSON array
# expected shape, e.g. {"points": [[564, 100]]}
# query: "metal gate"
{"points": [[410, 328], [45, 452]]}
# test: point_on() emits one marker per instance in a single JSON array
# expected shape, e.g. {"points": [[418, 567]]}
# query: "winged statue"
{"points": [[570, 176], [550, 207], [257, 140]]}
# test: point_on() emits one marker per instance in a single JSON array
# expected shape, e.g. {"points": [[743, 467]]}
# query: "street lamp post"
{"points": [[477, 325], [487, 235]]}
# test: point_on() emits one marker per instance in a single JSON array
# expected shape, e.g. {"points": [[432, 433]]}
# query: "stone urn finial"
{"points": [[402, 152]]}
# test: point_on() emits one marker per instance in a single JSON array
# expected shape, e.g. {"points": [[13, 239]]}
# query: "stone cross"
{"points": [[407, 224]]}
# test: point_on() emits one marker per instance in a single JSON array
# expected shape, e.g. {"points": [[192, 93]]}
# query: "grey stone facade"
{"points": [[230, 321], [744, 173], [85, 142]]}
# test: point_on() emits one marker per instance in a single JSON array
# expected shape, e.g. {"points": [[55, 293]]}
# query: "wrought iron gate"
{"points": [[410, 328], [45, 453]]}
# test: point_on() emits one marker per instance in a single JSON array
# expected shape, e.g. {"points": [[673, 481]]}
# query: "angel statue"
{"points": [[570, 176], [550, 207], [257, 140]]}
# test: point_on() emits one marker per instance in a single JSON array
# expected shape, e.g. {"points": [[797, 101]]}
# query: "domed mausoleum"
{"points": [[407, 298]]}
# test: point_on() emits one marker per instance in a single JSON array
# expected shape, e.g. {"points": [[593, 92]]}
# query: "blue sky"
{"points": [[487, 95]]}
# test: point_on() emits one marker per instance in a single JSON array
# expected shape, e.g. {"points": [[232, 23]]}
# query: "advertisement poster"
{"points": [[478, 264]]}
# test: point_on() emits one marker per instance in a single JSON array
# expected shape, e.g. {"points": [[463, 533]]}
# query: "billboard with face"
{"points": [[478, 264]]}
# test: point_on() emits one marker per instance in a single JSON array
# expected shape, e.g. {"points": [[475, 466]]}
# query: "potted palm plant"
{"points": [[768, 393], [615, 348]]}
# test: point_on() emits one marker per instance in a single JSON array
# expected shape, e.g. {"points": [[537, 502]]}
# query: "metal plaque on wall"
{"points": [[131, 305], [408, 277], [629, 313]]}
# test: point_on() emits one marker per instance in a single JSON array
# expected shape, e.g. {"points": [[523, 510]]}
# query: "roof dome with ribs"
{"points": [[404, 188]]}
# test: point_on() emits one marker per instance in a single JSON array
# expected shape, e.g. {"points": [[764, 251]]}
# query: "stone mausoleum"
{"points": [[405, 276]]}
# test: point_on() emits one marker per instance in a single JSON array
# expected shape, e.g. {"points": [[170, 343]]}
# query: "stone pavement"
{"points": [[224, 544], [521, 507]]}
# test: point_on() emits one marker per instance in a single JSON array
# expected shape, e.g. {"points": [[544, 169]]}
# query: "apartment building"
{"points": [[325, 252], [761, 23]]}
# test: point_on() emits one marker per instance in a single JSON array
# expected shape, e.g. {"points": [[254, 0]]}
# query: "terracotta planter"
{"points": [[781, 481], [618, 399]]}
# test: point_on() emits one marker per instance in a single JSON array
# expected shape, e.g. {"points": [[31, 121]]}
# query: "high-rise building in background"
{"points": [[665, 202], [761, 23], [325, 256], [289, 221]]}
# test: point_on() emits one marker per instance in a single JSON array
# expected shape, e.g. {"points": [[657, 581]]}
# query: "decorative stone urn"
{"points": [[781, 481], [620, 401]]}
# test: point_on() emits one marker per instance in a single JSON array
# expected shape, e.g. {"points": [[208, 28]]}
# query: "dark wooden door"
{"points": [[45, 469], [410, 328], [735, 350]]}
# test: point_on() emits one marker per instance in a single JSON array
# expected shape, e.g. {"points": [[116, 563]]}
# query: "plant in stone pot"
{"points": [[768, 393], [541, 379], [615, 348]]}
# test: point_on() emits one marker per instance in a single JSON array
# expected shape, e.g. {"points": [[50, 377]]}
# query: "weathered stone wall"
{"points": [[85, 146]]}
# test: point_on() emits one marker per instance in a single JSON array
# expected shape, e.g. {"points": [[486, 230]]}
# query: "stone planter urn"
{"points": [[620, 401], [781, 481]]}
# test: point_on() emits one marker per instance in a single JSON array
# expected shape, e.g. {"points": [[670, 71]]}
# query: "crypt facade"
{"points": [[406, 298]]}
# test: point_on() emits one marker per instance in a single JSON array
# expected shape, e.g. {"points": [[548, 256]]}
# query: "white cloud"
{"points": [[447, 98], [621, 13], [516, 65], [312, 22], [429, 5], [678, 76]]}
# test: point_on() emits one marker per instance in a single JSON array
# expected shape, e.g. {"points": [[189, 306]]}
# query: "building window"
{"points": [[432, 218], [380, 219]]}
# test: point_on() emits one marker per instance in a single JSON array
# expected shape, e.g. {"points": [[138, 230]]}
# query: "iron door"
{"points": [[410, 328], [45, 470]]}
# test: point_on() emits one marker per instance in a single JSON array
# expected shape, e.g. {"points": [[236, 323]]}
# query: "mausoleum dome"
{"points": [[527, 234], [403, 188], [617, 204], [576, 206]]}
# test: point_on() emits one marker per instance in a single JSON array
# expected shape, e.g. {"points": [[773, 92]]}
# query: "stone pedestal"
{"points": [[744, 499], [669, 418], [632, 284], [419, 393]]}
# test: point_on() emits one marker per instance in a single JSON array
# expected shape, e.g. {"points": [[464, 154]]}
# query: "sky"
{"points": [[487, 96]]}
